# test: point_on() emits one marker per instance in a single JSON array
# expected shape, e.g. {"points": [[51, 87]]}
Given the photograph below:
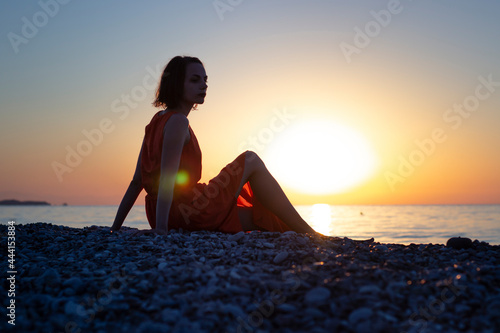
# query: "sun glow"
{"points": [[318, 157], [321, 218]]}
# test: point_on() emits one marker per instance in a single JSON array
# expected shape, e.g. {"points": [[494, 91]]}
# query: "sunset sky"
{"points": [[366, 102]]}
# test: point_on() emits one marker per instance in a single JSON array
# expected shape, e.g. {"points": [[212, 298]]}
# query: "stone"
{"points": [[50, 277], [72, 309], [268, 245], [169, 315], [381, 248], [318, 295], [236, 237], [234, 274], [459, 243], [280, 257], [257, 281], [74, 283], [360, 314], [152, 327], [371, 289], [285, 307]]}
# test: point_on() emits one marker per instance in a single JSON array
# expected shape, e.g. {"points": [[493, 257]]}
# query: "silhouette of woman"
{"points": [[244, 196]]}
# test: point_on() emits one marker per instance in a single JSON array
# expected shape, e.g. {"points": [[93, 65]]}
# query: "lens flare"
{"points": [[182, 177]]}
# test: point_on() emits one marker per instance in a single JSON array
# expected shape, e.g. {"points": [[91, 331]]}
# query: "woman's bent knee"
{"points": [[253, 159]]}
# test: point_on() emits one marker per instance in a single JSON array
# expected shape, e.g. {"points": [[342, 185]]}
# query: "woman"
{"points": [[244, 196]]}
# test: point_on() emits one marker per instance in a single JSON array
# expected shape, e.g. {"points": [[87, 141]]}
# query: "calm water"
{"points": [[387, 224]]}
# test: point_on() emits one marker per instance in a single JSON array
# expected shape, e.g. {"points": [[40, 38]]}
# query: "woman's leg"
{"points": [[269, 193]]}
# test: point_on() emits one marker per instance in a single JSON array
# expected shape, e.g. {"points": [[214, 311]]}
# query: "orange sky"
{"points": [[90, 90]]}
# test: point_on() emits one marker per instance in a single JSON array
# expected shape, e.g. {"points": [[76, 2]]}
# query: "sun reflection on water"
{"points": [[321, 218]]}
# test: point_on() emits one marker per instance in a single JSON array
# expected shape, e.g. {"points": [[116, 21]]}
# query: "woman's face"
{"points": [[195, 84]]}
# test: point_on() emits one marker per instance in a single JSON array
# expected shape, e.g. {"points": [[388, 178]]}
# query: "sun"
{"points": [[319, 156]]}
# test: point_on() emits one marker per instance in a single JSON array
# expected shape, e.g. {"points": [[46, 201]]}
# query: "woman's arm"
{"points": [[133, 191], [175, 135]]}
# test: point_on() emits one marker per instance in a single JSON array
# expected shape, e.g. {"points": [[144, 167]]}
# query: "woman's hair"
{"points": [[171, 87]]}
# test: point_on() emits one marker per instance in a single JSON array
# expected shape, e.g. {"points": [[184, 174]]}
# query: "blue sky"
{"points": [[261, 56]]}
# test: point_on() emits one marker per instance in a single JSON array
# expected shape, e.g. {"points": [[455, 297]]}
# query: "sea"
{"points": [[401, 224]]}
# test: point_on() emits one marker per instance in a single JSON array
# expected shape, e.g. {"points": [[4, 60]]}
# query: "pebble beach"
{"points": [[91, 280]]}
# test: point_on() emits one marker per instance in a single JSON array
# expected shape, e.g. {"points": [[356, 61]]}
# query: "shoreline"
{"points": [[90, 279], [387, 225]]}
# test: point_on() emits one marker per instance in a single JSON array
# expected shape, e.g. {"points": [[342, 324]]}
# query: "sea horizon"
{"points": [[403, 224], [296, 205]]}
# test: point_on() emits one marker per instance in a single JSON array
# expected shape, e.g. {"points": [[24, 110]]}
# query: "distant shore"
{"points": [[93, 280], [13, 202]]}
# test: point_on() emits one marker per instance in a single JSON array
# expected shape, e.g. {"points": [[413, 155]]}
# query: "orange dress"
{"points": [[199, 206]]}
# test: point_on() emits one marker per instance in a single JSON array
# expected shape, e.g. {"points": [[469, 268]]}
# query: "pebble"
{"points": [[360, 314], [247, 282], [236, 237], [268, 245], [287, 307], [234, 274], [74, 283], [370, 289], [50, 278], [71, 308], [280, 257], [459, 243], [318, 295], [162, 266], [381, 248]]}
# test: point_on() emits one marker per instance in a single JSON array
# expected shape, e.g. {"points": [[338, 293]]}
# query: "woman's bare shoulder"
{"points": [[177, 121], [177, 126]]}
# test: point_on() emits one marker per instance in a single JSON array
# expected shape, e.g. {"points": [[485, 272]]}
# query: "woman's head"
{"points": [[183, 78]]}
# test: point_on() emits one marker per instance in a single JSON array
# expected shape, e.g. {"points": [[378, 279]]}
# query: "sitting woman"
{"points": [[244, 196]]}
